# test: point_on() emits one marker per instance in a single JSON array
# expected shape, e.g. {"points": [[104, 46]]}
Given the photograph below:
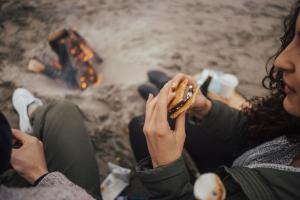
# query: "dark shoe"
{"points": [[158, 78], [145, 89]]}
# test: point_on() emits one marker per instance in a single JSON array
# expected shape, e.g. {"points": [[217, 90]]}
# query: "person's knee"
{"points": [[136, 122], [62, 116], [66, 106], [136, 126], [137, 138]]}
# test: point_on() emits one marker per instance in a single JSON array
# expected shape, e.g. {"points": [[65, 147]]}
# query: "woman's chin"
{"points": [[291, 108]]}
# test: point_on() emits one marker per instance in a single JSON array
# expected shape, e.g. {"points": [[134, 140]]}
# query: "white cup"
{"points": [[228, 83]]}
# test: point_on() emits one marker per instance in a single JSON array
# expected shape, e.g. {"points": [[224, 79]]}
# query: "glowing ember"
{"points": [[83, 85]]}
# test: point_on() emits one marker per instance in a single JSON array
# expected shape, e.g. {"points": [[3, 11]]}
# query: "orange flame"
{"points": [[87, 53]]}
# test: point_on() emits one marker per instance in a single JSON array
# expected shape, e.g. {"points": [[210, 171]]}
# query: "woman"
{"points": [[261, 143], [54, 159]]}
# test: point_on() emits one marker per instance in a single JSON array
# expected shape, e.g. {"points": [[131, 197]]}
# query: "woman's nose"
{"points": [[285, 60]]}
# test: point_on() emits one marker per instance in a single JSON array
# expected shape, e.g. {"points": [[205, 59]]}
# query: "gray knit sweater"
{"points": [[54, 186], [275, 154]]}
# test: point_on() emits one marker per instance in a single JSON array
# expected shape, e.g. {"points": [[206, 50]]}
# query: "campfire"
{"points": [[76, 60]]}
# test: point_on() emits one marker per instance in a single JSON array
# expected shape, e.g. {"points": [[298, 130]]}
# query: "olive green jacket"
{"points": [[172, 181]]}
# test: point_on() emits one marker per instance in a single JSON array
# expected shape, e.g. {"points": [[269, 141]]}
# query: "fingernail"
{"points": [[150, 95]]}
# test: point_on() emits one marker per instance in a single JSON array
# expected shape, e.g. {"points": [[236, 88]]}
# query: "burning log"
{"points": [[75, 63]]}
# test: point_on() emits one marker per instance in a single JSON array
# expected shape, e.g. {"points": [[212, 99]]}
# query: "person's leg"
{"points": [[207, 153], [67, 146], [137, 138]]}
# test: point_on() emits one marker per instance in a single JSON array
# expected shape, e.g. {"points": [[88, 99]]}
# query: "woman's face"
{"points": [[289, 62]]}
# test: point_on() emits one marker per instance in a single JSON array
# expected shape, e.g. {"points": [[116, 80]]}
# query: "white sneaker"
{"points": [[21, 99]]}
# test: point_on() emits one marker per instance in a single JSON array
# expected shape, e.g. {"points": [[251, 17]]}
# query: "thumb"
{"points": [[180, 127], [19, 135]]}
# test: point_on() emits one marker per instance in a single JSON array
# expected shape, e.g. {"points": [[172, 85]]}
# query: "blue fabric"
{"points": [[5, 143]]}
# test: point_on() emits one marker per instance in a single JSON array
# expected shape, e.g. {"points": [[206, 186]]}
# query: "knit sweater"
{"points": [[54, 186]]}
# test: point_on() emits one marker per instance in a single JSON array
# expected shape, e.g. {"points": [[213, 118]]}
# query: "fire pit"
{"points": [[76, 60]]}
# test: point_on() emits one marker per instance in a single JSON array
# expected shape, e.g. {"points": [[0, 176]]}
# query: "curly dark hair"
{"points": [[267, 119]]}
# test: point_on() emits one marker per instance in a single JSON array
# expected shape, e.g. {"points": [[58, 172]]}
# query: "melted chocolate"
{"points": [[188, 94]]}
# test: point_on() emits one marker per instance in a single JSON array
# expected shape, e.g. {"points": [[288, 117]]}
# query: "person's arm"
{"points": [[217, 119], [57, 179], [166, 182], [224, 122], [167, 177], [29, 161], [164, 175], [53, 186]]}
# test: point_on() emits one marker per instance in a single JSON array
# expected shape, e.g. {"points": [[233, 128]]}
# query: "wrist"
{"points": [[40, 179], [154, 165], [201, 110], [207, 107], [164, 162], [37, 174]]}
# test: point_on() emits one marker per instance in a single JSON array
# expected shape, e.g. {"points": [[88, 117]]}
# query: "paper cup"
{"points": [[228, 85]]}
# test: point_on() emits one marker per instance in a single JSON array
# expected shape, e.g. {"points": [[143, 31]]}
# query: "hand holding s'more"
{"points": [[185, 97], [188, 97]]}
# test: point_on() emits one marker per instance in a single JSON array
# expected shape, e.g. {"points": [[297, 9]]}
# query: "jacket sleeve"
{"points": [[225, 120], [52, 187], [224, 124], [58, 180], [172, 181], [166, 182]]}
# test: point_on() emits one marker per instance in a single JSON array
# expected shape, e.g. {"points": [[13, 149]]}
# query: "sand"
{"points": [[134, 36]]}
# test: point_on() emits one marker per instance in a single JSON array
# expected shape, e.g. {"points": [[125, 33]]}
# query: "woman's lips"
{"points": [[289, 90]]}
